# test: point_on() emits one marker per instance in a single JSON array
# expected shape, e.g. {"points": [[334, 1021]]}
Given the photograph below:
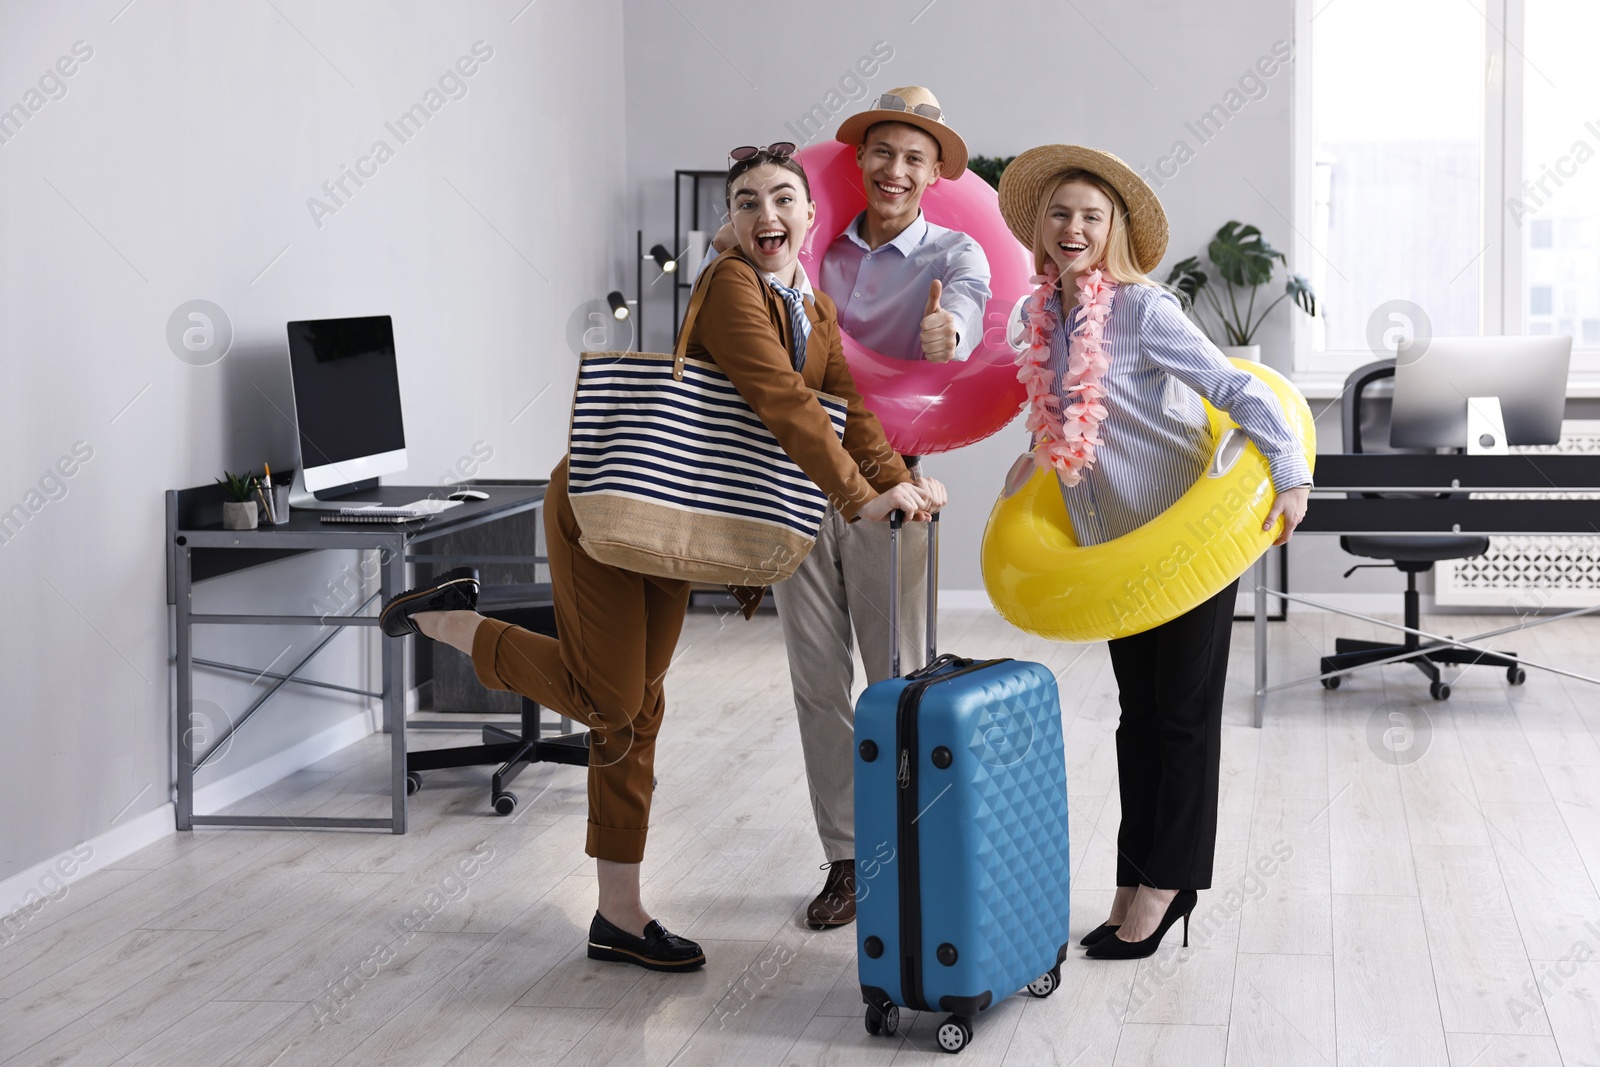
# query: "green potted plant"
{"points": [[239, 510], [989, 168], [1245, 262]]}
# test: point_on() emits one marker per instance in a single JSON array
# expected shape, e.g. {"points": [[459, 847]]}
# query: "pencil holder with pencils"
{"points": [[273, 490], [280, 504]]}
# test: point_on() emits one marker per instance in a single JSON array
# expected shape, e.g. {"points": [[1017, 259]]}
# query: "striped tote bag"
{"points": [[670, 472]]}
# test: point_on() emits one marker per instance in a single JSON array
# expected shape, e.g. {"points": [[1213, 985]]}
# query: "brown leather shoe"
{"points": [[836, 904]]}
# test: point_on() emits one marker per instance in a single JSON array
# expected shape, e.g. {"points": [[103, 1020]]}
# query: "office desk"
{"points": [[199, 548], [1536, 480]]}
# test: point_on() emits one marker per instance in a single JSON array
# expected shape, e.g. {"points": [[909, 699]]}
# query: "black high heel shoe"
{"points": [[1099, 934], [1114, 948]]}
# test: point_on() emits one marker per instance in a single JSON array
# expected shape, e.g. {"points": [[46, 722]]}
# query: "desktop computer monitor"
{"points": [[1432, 383], [346, 403]]}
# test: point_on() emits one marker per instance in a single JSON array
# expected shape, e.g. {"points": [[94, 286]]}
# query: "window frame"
{"points": [[1501, 265]]}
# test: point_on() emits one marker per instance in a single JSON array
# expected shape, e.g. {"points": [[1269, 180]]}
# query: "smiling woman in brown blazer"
{"points": [[776, 341]]}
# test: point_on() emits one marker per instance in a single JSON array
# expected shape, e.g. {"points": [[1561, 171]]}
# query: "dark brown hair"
{"points": [[743, 166]]}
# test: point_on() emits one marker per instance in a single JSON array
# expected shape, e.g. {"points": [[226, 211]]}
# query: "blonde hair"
{"points": [[1120, 265]]}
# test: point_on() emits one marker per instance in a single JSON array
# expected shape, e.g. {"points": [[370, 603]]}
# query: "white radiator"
{"points": [[1526, 573]]}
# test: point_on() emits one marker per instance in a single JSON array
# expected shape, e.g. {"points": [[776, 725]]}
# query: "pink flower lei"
{"points": [[1067, 440]]}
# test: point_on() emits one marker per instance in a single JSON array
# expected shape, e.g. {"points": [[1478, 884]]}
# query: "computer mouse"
{"points": [[469, 494]]}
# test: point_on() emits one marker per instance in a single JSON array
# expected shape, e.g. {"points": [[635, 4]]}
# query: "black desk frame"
{"points": [[1452, 478], [194, 524]]}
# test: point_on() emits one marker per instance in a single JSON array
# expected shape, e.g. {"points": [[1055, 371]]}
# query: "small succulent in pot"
{"points": [[239, 511]]}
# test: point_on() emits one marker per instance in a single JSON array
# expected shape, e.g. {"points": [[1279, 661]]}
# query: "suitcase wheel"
{"points": [[883, 1023], [1046, 983], [954, 1034]]}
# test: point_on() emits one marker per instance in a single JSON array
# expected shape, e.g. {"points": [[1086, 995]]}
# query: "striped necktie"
{"points": [[799, 325]]}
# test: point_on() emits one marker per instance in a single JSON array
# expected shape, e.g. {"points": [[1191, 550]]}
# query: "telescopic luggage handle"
{"points": [[897, 519]]}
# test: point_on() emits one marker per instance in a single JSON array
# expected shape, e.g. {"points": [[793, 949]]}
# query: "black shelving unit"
{"points": [[693, 178]]}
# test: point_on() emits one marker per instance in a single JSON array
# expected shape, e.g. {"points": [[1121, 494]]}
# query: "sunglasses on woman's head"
{"points": [[778, 151], [893, 102]]}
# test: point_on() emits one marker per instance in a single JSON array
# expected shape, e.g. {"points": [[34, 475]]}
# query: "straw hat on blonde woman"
{"points": [[1127, 438]]}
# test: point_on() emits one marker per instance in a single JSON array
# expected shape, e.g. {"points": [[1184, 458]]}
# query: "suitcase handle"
{"points": [[938, 664], [897, 519]]}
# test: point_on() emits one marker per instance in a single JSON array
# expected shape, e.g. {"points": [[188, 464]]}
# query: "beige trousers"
{"points": [[844, 584]]}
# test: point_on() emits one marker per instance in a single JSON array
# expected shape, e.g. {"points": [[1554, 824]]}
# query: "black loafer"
{"points": [[657, 949], [455, 590]]}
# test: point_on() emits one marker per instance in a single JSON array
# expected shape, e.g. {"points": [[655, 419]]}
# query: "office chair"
{"points": [[529, 606], [1411, 554]]}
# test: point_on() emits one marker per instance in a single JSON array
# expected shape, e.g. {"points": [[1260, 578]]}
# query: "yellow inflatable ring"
{"points": [[1042, 581]]}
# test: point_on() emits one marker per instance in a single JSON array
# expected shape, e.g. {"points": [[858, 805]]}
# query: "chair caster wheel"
{"points": [[1439, 691], [505, 803], [1516, 675], [883, 1023], [1331, 683], [955, 1033], [413, 782]]}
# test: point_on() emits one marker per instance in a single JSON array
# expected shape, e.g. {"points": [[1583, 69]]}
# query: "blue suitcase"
{"points": [[961, 834]]}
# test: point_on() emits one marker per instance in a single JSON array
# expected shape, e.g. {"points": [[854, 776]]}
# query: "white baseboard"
{"points": [[247, 780], [39, 885], [23, 895], [1366, 603], [964, 600]]}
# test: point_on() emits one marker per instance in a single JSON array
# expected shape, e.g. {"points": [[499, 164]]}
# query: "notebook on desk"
{"points": [[392, 513]]}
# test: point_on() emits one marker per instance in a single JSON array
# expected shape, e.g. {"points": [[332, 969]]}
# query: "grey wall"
{"points": [[178, 165], [706, 75]]}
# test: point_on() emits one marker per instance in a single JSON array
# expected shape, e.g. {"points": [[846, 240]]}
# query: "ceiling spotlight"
{"points": [[619, 305], [663, 259]]}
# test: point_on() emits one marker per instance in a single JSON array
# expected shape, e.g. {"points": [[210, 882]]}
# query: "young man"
{"points": [[907, 289]]}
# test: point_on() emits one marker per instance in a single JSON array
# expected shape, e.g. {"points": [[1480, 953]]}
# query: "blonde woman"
{"points": [[1127, 437]]}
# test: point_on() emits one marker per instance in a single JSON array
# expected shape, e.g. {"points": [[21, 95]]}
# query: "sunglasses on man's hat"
{"points": [[894, 102]]}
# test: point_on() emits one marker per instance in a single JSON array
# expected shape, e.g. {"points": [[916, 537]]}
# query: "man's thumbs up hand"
{"points": [[938, 328]]}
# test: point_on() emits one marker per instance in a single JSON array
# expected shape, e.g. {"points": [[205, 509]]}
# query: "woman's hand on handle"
{"points": [[907, 497], [1291, 504], [933, 489]]}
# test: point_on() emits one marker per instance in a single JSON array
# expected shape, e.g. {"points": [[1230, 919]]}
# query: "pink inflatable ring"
{"points": [[929, 407]]}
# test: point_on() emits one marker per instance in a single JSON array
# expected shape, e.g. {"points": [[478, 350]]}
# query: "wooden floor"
{"points": [[1397, 881]]}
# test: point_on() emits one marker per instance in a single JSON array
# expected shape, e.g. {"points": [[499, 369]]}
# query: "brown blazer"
{"points": [[743, 327]]}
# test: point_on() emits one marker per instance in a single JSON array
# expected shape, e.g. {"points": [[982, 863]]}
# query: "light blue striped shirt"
{"points": [[1156, 440], [882, 292]]}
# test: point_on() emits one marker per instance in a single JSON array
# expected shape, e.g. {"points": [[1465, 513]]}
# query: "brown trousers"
{"points": [[618, 630]]}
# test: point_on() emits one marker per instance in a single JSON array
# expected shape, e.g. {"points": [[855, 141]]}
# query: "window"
{"points": [[1402, 215], [1560, 185], [1449, 157]]}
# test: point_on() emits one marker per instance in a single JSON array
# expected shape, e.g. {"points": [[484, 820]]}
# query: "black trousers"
{"points": [[1169, 745]]}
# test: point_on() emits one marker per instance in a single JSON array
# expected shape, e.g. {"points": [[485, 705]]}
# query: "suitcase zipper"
{"points": [[910, 850]]}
